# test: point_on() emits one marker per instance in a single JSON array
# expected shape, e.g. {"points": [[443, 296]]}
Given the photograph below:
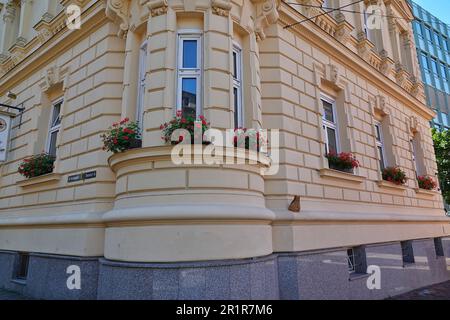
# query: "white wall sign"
{"points": [[5, 125]]}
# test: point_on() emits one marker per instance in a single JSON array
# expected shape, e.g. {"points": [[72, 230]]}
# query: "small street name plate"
{"points": [[82, 176]]}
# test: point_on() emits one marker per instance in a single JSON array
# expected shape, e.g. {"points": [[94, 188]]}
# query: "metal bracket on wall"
{"points": [[20, 108]]}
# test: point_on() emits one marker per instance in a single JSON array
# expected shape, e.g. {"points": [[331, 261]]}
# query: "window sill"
{"points": [[430, 193], [44, 179], [390, 185], [339, 175]]}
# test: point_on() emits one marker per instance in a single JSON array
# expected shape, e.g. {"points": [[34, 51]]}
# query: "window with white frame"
{"points": [[189, 74], [380, 144], [237, 87], [55, 125], [330, 125], [141, 84]]}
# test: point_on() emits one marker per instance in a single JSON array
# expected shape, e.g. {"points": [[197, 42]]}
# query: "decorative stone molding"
{"points": [[402, 76], [53, 76], [343, 29], [413, 124], [378, 104], [10, 11], [417, 87], [158, 7], [332, 74], [387, 64], [119, 12], [364, 46], [267, 14], [221, 7]]}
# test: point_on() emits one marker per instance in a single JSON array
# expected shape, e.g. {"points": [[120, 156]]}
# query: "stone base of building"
{"points": [[286, 276]]}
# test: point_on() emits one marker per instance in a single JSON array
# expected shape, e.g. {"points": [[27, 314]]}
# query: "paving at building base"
{"points": [[439, 291]]}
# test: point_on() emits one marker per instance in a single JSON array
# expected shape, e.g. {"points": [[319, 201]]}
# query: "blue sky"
{"points": [[438, 8]]}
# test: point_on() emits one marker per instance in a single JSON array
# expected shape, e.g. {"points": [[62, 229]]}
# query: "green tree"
{"points": [[442, 148]]}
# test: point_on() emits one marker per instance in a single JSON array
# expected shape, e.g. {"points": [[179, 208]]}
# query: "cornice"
{"points": [[343, 54]]}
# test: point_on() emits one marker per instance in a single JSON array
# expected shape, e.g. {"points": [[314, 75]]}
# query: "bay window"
{"points": [[189, 74], [55, 125], [330, 125], [237, 87]]}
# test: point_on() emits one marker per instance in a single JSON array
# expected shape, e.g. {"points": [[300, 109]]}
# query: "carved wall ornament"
{"points": [[53, 76], [221, 7], [158, 7], [387, 64], [364, 46], [119, 12], [267, 14], [402, 75], [343, 29], [378, 104], [413, 124], [332, 74], [417, 87]]}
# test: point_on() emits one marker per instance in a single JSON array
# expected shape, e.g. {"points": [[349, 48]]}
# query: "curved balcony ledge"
{"points": [[339, 175], [164, 153], [36, 181], [166, 214]]}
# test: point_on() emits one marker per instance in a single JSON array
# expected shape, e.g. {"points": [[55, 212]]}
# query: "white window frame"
{"points": [[141, 84], [184, 73], [54, 128], [237, 85], [330, 125], [380, 143]]}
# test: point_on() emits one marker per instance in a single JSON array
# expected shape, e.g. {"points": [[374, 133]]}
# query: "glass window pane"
{"points": [[332, 140], [236, 107], [235, 62], [52, 145], [445, 119], [55, 116], [378, 132], [328, 111], [189, 97], [381, 156], [189, 53]]}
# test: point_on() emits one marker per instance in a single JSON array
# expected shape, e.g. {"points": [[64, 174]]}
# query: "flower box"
{"points": [[395, 175], [37, 165], [345, 162], [181, 128], [122, 136]]}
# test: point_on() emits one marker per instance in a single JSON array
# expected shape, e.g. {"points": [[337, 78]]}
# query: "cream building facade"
{"points": [[143, 227]]}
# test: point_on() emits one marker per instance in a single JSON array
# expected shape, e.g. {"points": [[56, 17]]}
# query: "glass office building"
{"points": [[433, 49]]}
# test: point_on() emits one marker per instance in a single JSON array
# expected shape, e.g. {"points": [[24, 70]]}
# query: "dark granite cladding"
{"points": [[47, 277], [244, 279], [325, 275], [287, 276]]}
